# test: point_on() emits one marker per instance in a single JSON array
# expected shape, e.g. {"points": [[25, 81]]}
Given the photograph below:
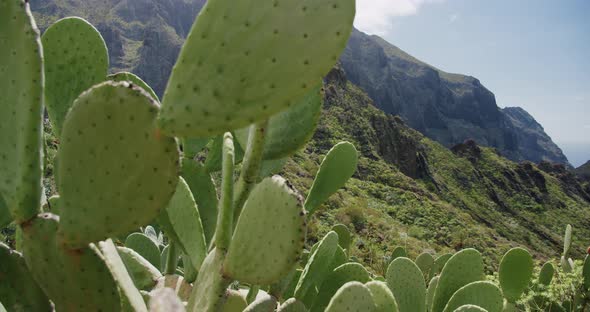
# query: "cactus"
{"points": [[143, 273], [131, 77], [341, 275], [317, 266], [425, 262], [76, 58], [354, 297], [338, 166], [546, 273], [483, 294], [406, 282], [138, 162], [145, 247], [462, 268], [21, 65], [516, 271], [344, 237], [382, 297], [253, 80]]}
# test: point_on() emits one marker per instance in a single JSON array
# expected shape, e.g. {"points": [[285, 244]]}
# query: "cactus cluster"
{"points": [[174, 206]]}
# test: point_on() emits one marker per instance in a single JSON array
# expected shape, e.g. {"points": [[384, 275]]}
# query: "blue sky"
{"points": [[530, 53]]}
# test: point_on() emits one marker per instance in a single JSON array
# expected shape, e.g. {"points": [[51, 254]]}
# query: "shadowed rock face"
{"points": [[448, 108]]}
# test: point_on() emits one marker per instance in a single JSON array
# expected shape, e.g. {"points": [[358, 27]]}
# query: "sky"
{"points": [[530, 53]]}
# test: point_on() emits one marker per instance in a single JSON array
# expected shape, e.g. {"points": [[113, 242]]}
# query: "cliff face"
{"points": [[448, 108]]}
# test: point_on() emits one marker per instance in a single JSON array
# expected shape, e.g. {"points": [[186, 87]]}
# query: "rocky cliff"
{"points": [[448, 108]]}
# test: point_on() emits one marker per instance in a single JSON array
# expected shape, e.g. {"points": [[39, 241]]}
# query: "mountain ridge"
{"points": [[449, 108]]}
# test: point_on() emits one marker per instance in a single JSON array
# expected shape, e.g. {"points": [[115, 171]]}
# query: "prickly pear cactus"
{"points": [[225, 80], [483, 294], [354, 297], [21, 103], [117, 163], [406, 282], [76, 58], [516, 271]]}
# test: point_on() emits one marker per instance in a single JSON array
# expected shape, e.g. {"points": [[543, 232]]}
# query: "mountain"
{"points": [[584, 170], [409, 189], [448, 108]]}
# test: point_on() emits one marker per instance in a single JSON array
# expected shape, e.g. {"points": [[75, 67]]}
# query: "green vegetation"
{"points": [[222, 225]]}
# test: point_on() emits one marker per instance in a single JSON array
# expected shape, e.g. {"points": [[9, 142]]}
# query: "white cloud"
{"points": [[376, 16]]}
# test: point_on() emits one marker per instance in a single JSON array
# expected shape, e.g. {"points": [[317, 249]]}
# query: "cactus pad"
{"points": [[516, 270], [382, 297], [21, 87], [353, 297], [76, 58], [318, 265], [336, 168], [344, 237], [425, 261], [483, 294], [292, 305], [74, 280], [406, 281], [117, 267], [430, 292], [470, 308], [269, 234], [120, 169], [184, 223], [209, 285], [145, 247], [289, 131], [143, 273], [5, 217], [398, 252], [18, 289], [204, 193], [462, 268], [225, 80], [546, 273], [133, 78], [343, 274], [567, 240]]}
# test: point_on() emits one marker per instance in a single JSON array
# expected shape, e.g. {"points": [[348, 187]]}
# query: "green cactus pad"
{"points": [[483, 294], [398, 252], [209, 285], [470, 308], [439, 264], [343, 274], [425, 262], [352, 297], [269, 234], [336, 168], [293, 279], [145, 247], [344, 237], [546, 273], [5, 217], [120, 169], [18, 290], [74, 280], [318, 265], [143, 273], [264, 304], [204, 193], [382, 297], [234, 301], [165, 300], [21, 103], [292, 305], [192, 146], [406, 281], [462, 268], [117, 267], [133, 78], [181, 221], [339, 258], [224, 80], [567, 240], [76, 58], [430, 292], [289, 131], [516, 270]]}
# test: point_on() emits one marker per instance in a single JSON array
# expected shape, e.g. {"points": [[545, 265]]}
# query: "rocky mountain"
{"points": [[448, 108], [409, 189], [584, 170]]}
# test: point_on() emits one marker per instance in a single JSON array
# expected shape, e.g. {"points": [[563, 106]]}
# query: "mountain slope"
{"points": [[409, 190], [412, 190], [448, 108]]}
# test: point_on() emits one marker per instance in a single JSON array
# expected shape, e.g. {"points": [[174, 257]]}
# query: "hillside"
{"points": [[409, 189], [448, 108]]}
